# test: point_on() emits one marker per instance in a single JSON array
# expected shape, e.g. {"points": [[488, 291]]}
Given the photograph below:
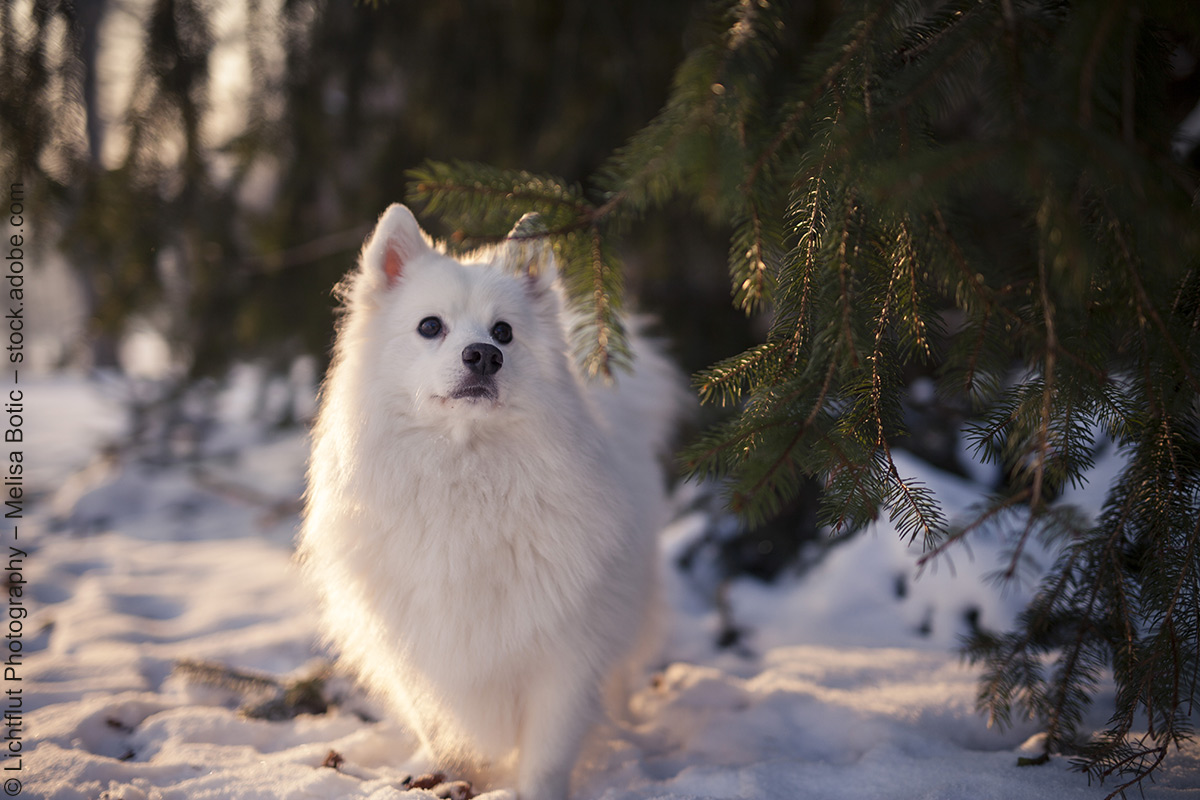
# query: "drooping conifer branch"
{"points": [[980, 189]]}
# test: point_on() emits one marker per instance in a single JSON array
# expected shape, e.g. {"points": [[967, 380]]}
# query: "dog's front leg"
{"points": [[559, 709]]}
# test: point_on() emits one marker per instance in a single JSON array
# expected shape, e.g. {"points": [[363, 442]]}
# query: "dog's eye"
{"points": [[430, 327], [502, 332]]}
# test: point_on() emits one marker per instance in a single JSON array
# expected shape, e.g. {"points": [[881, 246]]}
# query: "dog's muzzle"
{"points": [[482, 361]]}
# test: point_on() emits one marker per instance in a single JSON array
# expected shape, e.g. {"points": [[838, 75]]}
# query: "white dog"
{"points": [[480, 520]]}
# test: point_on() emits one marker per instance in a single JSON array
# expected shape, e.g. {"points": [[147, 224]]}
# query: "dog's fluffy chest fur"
{"points": [[488, 538]]}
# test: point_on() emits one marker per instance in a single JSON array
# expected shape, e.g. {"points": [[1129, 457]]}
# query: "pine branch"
{"points": [[754, 258], [858, 38], [979, 188], [605, 334], [726, 381], [1146, 306], [482, 201], [1042, 451], [979, 520]]}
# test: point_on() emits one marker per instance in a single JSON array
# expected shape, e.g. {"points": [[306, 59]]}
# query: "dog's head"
{"points": [[457, 339]]}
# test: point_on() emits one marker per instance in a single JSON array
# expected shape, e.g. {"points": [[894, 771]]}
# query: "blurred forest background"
{"points": [[211, 168]]}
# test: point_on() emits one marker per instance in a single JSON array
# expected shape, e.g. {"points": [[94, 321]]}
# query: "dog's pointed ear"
{"points": [[396, 241], [530, 252]]}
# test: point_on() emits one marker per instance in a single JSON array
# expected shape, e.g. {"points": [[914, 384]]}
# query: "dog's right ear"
{"points": [[530, 254], [396, 241]]}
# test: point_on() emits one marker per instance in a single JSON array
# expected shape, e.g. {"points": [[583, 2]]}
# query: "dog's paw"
{"points": [[426, 780], [454, 790], [436, 784]]}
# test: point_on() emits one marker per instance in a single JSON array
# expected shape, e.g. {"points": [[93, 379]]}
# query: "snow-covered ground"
{"points": [[848, 684]]}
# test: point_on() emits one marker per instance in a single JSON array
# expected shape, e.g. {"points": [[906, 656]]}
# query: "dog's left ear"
{"points": [[530, 253], [396, 241]]}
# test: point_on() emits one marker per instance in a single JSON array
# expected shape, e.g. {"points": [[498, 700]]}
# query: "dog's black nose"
{"points": [[483, 359]]}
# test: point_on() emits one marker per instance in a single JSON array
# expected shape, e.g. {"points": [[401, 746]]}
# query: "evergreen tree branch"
{"points": [[1064, 715], [920, 168], [1146, 305], [1048, 374], [845, 292], [600, 359], [483, 199], [725, 382], [978, 521], [745, 502], [1140, 771], [753, 266], [839, 510], [860, 37]]}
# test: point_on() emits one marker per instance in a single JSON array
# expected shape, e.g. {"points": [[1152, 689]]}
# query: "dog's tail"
{"points": [[648, 404]]}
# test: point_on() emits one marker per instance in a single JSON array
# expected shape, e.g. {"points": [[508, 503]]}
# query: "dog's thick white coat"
{"points": [[486, 562]]}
